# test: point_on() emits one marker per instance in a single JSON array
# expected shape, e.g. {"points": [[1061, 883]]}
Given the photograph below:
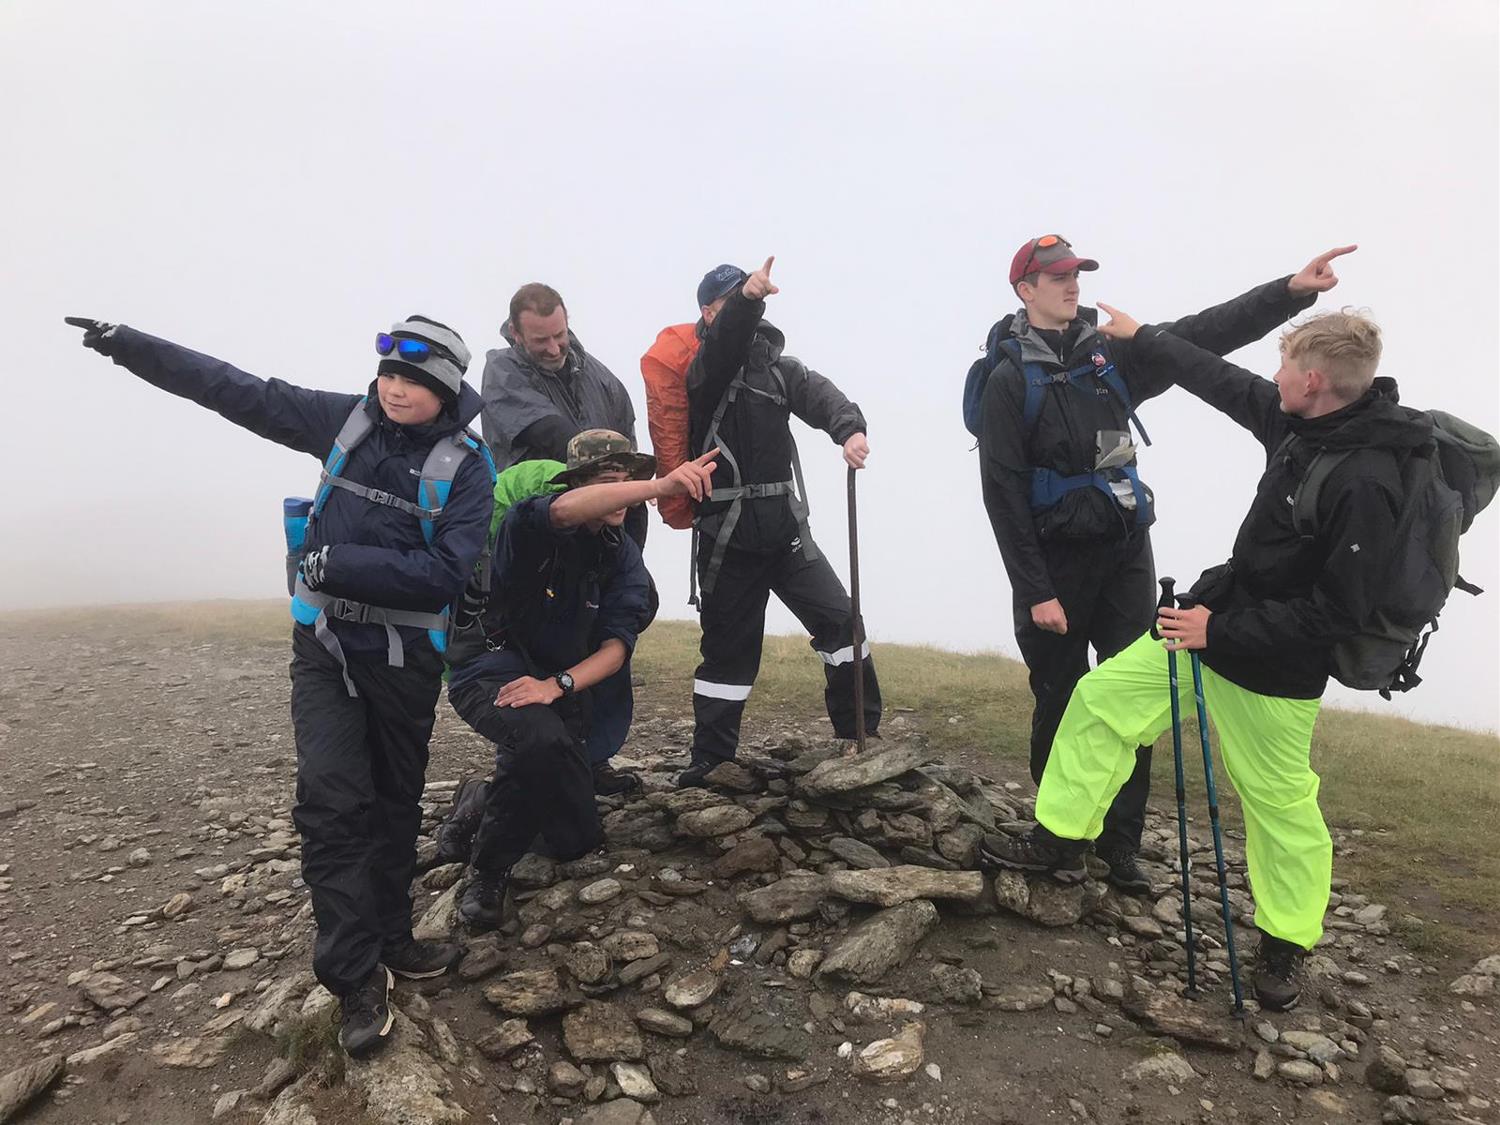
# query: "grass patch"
{"points": [[314, 1042]]}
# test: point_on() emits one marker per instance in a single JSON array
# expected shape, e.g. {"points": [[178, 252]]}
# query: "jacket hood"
{"points": [[768, 343], [454, 415], [1377, 419]]}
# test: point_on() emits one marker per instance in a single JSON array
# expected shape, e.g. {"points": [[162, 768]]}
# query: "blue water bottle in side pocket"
{"points": [[295, 511]]}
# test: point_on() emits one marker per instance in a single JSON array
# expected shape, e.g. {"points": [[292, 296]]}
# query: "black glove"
{"points": [[97, 334], [315, 567]]}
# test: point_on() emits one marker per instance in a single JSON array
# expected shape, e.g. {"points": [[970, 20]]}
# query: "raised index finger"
{"points": [[1337, 252], [766, 269], [707, 457]]}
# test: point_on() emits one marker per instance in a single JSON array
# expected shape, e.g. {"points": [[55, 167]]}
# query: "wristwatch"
{"points": [[565, 682]]}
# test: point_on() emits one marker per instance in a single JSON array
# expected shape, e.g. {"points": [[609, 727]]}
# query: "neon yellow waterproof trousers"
{"points": [[1265, 742]]}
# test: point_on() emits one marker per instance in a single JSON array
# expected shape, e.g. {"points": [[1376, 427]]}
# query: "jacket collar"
{"points": [[1034, 349]]}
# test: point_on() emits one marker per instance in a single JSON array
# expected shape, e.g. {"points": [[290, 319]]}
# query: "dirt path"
{"points": [[150, 909]]}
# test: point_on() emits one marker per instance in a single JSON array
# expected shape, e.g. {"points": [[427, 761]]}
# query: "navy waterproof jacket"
{"points": [[379, 555]]}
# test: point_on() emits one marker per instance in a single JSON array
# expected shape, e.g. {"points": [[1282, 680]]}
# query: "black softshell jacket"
{"points": [[755, 430], [1281, 602], [1064, 437]]}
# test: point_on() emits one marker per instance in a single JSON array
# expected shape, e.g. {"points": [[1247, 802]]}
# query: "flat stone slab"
{"points": [[599, 1032], [1167, 1014], [532, 992], [1046, 901], [857, 853], [768, 1024], [109, 992], [839, 775], [24, 1083], [720, 820], [878, 944], [894, 1059], [891, 886], [786, 900]]}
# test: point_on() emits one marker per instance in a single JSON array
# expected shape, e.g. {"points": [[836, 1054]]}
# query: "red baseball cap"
{"points": [[1050, 253]]}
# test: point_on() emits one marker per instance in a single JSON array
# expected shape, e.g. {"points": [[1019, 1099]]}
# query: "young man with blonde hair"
{"points": [[1265, 623]]}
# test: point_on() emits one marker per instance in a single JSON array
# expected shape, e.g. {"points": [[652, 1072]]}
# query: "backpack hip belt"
{"points": [[1049, 486], [311, 607]]}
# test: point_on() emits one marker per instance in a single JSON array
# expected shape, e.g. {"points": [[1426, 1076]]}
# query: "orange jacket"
{"points": [[664, 368]]}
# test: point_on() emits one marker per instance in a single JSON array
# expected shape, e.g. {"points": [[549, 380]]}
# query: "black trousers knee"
{"points": [[543, 781], [361, 765], [1108, 591]]}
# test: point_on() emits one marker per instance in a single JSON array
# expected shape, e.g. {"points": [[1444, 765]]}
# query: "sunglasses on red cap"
{"points": [[1046, 242]]}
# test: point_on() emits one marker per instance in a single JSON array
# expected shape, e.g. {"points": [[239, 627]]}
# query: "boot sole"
{"points": [[1137, 890], [421, 974], [1067, 877]]}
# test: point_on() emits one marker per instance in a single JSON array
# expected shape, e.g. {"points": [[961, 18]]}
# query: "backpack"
{"points": [[314, 608], [1444, 485], [664, 368]]}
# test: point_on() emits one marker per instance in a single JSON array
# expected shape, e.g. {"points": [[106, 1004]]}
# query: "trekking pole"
{"points": [[1213, 818], [857, 622], [1191, 993]]}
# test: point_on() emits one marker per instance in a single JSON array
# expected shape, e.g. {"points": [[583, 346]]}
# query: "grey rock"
{"points": [[501, 1041], [20, 1086], [1165, 1013], [630, 945], [1300, 1072], [672, 1075], [226, 1104], [954, 984], [587, 963], [691, 990], [1020, 998], [533, 872], [719, 820], [441, 918], [639, 970], [839, 775], [960, 844], [786, 900], [600, 892], [1314, 1045], [768, 1024], [749, 857], [441, 878], [190, 1052], [1403, 1110], [1164, 1066], [109, 992], [531, 992], [279, 1072], [878, 944], [280, 1005], [1422, 1084], [857, 853], [237, 959], [1046, 901], [480, 960], [733, 776], [664, 1023], [892, 886], [621, 1111], [1265, 1064], [565, 1079], [402, 1084], [1386, 1072], [596, 1031], [894, 1059], [291, 1107], [634, 1081]]}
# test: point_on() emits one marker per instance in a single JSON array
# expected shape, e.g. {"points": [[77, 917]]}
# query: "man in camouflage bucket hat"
{"points": [[594, 452]]}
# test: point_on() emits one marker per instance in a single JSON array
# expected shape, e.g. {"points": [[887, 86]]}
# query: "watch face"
{"points": [[565, 681]]}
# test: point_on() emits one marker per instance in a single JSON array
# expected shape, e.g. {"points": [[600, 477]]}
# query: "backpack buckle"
{"points": [[345, 610], [376, 496]]}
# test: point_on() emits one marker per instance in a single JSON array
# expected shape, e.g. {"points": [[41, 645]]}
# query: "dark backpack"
{"points": [[1444, 485]]}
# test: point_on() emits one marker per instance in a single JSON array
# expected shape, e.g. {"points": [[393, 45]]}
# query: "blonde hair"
{"points": [[1344, 345]]}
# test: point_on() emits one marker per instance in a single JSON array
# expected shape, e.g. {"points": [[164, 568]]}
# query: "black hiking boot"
{"points": [[696, 775], [1277, 968], [420, 960], [1039, 851], [609, 781], [455, 835], [365, 1014], [483, 903], [1125, 875]]}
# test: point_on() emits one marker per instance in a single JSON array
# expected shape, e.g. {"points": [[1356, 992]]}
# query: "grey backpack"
{"points": [[1444, 486]]}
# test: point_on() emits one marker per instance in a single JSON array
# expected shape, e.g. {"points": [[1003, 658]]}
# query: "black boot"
{"points": [[1278, 967], [455, 835], [483, 903], [420, 960], [365, 1014], [1038, 851], [694, 777], [1125, 874], [609, 781]]}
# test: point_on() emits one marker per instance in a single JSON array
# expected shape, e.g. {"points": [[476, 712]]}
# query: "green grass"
{"points": [[1425, 797]]}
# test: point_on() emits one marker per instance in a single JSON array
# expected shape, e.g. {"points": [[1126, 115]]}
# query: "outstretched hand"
{"points": [[758, 286], [1120, 326], [1318, 276], [96, 333], [691, 478]]}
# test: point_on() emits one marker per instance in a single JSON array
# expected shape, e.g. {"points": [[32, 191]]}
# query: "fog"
{"points": [[273, 183]]}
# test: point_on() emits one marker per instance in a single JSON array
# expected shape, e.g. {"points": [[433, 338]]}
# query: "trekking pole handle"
{"points": [[1165, 602]]}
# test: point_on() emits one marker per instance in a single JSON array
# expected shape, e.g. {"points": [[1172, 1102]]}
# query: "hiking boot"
{"points": [[696, 775], [420, 960], [1038, 851], [483, 901], [1277, 969], [609, 781], [455, 835], [1125, 875], [365, 1014]]}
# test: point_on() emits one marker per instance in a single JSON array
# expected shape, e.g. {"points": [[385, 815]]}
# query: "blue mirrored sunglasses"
{"points": [[415, 350]]}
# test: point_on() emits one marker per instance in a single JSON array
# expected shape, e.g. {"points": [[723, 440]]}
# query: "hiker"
{"points": [[1052, 403], [752, 537], [1264, 623], [571, 597], [539, 393], [397, 526]]}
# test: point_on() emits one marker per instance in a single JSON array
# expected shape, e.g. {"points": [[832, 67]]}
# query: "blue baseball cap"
{"points": [[719, 281]]}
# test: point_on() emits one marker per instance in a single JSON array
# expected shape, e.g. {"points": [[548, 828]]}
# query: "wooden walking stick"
{"points": [[858, 624]]}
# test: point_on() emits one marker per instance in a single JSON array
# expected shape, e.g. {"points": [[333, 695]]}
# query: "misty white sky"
{"points": [[274, 182]]}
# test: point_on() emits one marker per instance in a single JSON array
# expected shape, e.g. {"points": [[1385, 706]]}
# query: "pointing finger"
{"points": [[1337, 252], [766, 269]]}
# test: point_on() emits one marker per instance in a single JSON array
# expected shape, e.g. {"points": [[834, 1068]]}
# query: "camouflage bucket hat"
{"points": [[600, 451]]}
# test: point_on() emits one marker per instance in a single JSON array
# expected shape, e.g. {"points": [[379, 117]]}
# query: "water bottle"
{"points": [[295, 511]]}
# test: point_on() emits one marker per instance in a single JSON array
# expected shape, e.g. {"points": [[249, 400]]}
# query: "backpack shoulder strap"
{"points": [[1116, 383], [439, 471], [355, 429], [1309, 493]]}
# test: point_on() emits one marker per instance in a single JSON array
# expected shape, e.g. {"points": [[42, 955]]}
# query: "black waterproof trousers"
{"points": [[734, 625], [543, 783], [1108, 591], [361, 765]]}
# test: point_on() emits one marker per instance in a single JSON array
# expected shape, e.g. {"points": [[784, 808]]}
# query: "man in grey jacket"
{"points": [[539, 393]]}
